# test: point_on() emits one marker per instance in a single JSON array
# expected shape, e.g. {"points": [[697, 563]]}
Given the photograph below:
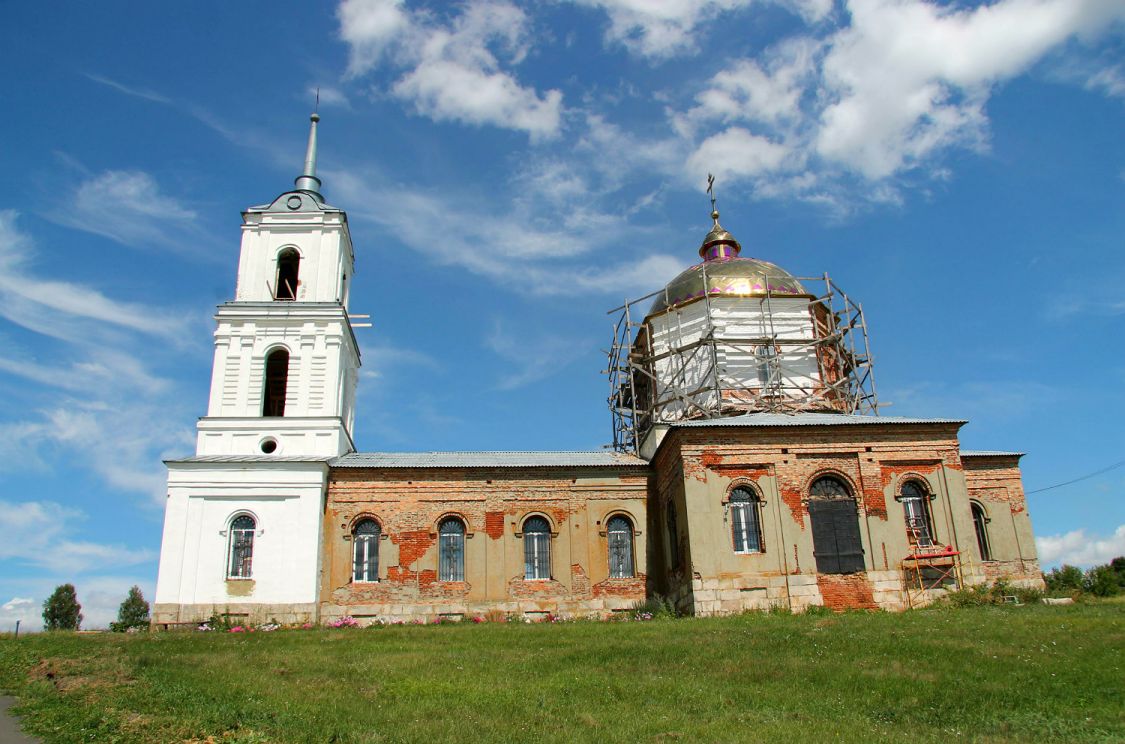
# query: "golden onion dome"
{"points": [[727, 277], [724, 274]]}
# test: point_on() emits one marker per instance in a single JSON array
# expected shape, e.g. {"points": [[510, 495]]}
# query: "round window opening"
{"points": [[269, 446]]}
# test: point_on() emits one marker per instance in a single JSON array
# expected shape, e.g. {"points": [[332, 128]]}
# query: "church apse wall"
{"points": [[427, 543], [829, 515]]}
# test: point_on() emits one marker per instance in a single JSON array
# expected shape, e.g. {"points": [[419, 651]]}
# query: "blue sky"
{"points": [[512, 171]]}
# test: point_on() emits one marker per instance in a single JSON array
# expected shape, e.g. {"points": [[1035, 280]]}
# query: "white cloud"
{"points": [[850, 110], [41, 533], [128, 207], [908, 77], [736, 153], [1078, 548], [452, 71]]}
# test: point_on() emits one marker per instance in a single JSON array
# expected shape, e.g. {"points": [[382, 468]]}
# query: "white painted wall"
{"points": [[286, 500], [321, 238]]}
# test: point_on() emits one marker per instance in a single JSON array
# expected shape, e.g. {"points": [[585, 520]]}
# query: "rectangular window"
{"points": [[451, 557], [620, 555], [744, 526], [537, 555]]}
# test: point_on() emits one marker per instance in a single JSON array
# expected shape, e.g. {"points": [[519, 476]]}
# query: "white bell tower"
{"points": [[286, 360], [243, 520]]}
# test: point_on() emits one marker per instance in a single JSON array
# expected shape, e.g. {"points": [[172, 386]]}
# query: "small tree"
{"points": [[133, 612], [1067, 579], [61, 611]]}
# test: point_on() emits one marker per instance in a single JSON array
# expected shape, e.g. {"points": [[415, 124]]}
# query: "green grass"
{"points": [[984, 673]]}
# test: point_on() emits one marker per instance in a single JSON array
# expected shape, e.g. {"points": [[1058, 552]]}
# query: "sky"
{"points": [[511, 172]]}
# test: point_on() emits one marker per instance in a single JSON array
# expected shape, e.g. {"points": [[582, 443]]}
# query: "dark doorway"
{"points": [[837, 546]]}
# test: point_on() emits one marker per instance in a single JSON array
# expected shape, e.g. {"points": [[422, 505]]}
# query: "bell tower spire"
{"points": [[308, 181]]}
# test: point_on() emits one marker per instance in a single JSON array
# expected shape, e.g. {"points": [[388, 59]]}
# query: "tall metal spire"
{"points": [[308, 181]]}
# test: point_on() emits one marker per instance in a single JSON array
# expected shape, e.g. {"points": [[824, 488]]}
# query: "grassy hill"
{"points": [[985, 673]]}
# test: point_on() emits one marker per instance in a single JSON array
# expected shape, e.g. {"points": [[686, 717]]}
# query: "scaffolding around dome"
{"points": [[729, 352]]}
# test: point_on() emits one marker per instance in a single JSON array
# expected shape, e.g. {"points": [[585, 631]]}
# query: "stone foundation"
{"points": [[171, 616]]}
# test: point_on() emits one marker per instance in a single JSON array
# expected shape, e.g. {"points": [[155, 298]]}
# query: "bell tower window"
{"points": [[288, 266], [277, 378]]}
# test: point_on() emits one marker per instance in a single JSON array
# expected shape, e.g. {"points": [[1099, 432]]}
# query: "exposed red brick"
{"points": [[494, 524], [847, 592]]}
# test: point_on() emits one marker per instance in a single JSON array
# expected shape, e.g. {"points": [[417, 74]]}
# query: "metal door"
{"points": [[837, 546]]}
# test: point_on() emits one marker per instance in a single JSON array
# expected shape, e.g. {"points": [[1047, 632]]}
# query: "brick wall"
{"points": [[493, 503]]}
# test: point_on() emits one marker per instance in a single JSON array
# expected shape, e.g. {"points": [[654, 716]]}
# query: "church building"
{"points": [[749, 469]]}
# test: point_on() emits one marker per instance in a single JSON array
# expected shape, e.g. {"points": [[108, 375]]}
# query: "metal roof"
{"points": [[990, 453], [811, 419], [593, 458], [246, 458]]}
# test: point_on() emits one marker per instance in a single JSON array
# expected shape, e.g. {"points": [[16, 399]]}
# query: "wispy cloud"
{"points": [[529, 249], [1080, 548], [41, 533], [130, 208], [664, 29], [530, 357], [108, 405], [62, 309]]}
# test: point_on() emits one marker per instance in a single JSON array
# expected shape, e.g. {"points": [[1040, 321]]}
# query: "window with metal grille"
{"points": [[980, 526], [745, 527], [536, 549], [288, 266], [277, 379], [619, 532], [916, 510], [451, 550], [365, 550], [241, 547]]}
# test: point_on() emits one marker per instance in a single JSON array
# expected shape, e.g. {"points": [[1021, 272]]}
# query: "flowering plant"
{"points": [[347, 621]]}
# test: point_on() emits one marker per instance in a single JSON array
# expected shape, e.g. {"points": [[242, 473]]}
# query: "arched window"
{"points": [[288, 266], [240, 550], [277, 378], [365, 550], [980, 526], [451, 550], [829, 488], [619, 531], [536, 549], [916, 510], [745, 527], [837, 543]]}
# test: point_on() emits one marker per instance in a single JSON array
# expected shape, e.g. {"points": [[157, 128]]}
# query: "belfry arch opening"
{"points": [[288, 267], [277, 379]]}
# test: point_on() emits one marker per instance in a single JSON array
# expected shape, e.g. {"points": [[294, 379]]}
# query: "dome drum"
{"points": [[731, 336]]}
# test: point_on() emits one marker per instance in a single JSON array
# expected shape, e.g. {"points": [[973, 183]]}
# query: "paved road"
{"points": [[9, 728]]}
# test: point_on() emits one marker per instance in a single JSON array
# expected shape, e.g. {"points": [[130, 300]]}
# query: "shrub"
{"points": [[991, 594], [61, 611], [1101, 581], [132, 614], [655, 607]]}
